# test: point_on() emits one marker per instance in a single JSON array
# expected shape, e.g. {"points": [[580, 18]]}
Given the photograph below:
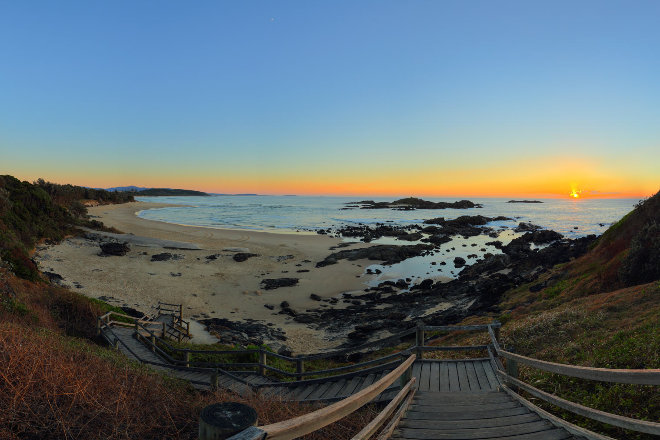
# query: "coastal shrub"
{"points": [[642, 263]]}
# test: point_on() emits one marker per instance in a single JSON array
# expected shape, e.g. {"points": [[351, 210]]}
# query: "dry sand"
{"points": [[220, 288]]}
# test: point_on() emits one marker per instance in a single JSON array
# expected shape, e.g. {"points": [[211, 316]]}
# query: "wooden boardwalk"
{"points": [[440, 399]]}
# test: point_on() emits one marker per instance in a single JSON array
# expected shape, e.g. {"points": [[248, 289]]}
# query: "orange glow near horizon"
{"points": [[514, 179]]}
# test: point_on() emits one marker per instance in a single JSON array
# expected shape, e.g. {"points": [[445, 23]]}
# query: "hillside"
{"points": [[153, 192]]}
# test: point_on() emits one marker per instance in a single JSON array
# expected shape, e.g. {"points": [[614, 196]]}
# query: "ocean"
{"points": [[306, 215]]}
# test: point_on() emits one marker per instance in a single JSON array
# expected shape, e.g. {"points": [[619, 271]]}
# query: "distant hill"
{"points": [[171, 192], [126, 188]]}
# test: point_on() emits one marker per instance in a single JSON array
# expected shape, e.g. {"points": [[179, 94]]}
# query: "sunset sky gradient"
{"points": [[391, 98]]}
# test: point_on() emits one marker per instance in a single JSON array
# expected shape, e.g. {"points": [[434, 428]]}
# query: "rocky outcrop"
{"points": [[411, 203], [389, 254]]}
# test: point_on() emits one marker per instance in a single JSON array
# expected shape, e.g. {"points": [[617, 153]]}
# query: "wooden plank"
{"points": [[463, 398], [413, 413], [550, 434], [490, 374], [318, 391], [305, 390], [472, 376], [462, 376], [434, 383], [425, 376], [368, 381], [639, 377], [351, 387], [427, 406], [453, 377], [488, 432], [481, 376], [479, 423], [334, 389], [444, 376]]}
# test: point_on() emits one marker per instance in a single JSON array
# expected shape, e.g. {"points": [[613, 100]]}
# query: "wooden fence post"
{"points": [[98, 326], [262, 361], [512, 367], [419, 339], [214, 380], [153, 342], [181, 312], [187, 358], [163, 330], [497, 332], [300, 368]]}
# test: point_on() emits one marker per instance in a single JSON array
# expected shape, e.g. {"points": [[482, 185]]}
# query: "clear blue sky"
{"points": [[271, 96]]}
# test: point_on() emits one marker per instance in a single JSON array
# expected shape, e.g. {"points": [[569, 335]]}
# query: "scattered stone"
{"points": [[166, 256], [315, 297], [275, 283], [459, 262]]}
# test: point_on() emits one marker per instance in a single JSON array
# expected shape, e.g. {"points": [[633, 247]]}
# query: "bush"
{"points": [[642, 264]]}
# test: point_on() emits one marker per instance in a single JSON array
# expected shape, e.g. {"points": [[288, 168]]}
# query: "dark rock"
{"points": [[212, 257], [284, 304], [459, 262], [315, 297], [390, 254], [165, 256], [275, 283], [269, 306], [242, 256], [114, 248]]}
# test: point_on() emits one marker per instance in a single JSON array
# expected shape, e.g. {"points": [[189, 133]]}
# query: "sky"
{"points": [[424, 98]]}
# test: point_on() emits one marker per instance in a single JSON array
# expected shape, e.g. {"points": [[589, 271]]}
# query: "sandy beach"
{"points": [[207, 287]]}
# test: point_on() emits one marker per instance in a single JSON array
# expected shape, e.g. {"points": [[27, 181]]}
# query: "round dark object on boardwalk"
{"points": [[222, 420]]}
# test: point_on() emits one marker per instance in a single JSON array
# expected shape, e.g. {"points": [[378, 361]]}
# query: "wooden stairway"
{"points": [[464, 415]]}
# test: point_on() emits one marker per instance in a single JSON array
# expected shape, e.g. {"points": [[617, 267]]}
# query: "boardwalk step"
{"points": [[548, 434]]}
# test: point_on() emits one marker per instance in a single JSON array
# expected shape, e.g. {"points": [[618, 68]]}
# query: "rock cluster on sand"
{"points": [[114, 248]]}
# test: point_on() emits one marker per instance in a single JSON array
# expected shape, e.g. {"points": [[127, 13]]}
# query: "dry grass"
{"points": [[60, 388]]}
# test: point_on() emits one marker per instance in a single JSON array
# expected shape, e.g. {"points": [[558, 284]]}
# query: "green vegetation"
{"points": [[32, 212]]}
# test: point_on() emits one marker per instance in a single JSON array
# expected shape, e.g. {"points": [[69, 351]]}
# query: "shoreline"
{"points": [[209, 282]]}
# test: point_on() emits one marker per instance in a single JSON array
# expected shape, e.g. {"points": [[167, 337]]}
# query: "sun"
{"points": [[575, 193]]}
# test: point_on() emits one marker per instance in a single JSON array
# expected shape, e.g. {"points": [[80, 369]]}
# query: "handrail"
{"points": [[601, 416], [307, 423], [629, 376], [642, 377], [637, 377], [407, 392]]}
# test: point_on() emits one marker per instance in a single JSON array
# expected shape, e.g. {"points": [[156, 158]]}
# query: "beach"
{"points": [[207, 281]]}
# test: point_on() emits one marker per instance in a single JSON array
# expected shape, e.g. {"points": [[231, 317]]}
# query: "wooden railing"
{"points": [[182, 357], [639, 377], [307, 423]]}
